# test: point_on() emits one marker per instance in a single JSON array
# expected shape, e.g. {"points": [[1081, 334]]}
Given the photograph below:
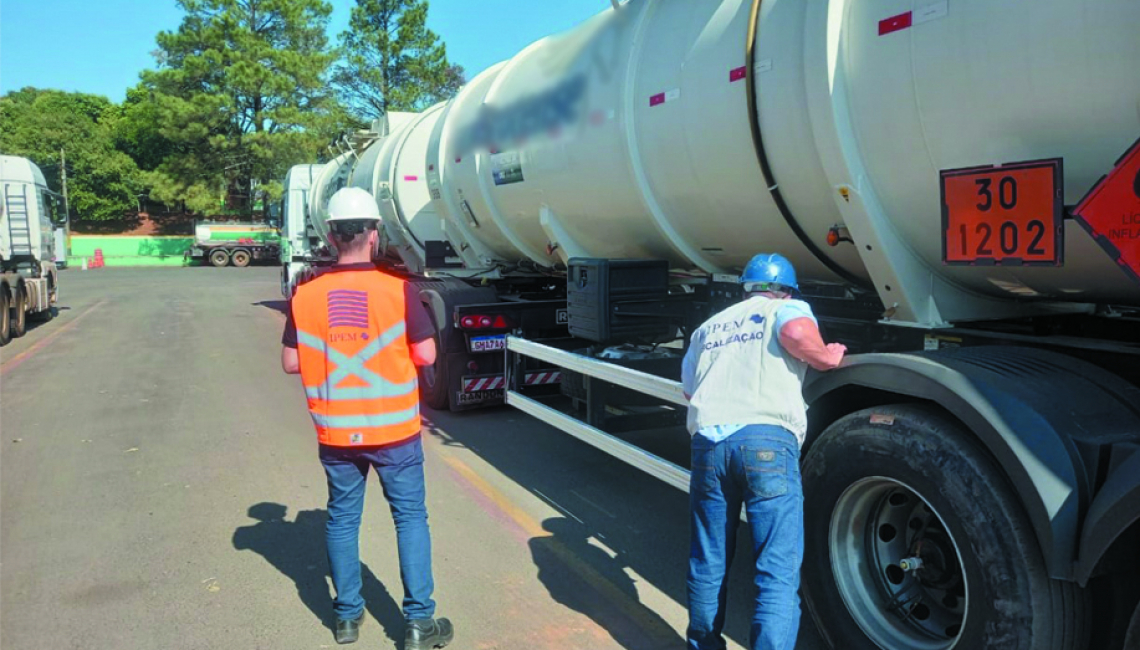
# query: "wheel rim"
{"points": [[241, 259], [878, 526], [219, 258]]}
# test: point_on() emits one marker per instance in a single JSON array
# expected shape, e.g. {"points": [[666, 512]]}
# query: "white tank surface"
{"points": [[394, 170], [704, 132]]}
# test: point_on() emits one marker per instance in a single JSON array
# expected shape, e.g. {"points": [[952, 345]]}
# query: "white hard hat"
{"points": [[353, 204]]}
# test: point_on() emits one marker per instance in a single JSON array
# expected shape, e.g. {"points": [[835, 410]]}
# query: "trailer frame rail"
{"points": [[659, 387]]}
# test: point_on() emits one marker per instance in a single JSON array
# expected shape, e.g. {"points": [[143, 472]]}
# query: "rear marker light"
{"points": [[482, 322]]}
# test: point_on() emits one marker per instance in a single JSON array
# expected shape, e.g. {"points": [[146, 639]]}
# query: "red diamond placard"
{"points": [[1111, 212]]}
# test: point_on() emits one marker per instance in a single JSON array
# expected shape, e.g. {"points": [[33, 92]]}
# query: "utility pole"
{"points": [[66, 205]]}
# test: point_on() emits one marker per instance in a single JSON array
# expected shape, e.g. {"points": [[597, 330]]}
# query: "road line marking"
{"points": [[632, 608], [27, 354], [600, 508], [558, 506]]}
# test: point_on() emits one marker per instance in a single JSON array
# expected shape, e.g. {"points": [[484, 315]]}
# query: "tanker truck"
{"points": [[28, 277], [234, 242], [958, 185]]}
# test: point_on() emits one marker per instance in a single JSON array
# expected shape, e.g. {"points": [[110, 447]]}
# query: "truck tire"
{"points": [[20, 312], [1132, 638], [901, 482], [441, 298], [240, 258], [5, 315], [220, 258]]}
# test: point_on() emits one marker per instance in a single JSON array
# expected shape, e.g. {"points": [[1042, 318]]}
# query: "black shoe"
{"points": [[428, 634], [348, 631]]}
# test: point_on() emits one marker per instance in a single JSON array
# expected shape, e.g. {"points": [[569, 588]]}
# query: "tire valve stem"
{"points": [[911, 564]]}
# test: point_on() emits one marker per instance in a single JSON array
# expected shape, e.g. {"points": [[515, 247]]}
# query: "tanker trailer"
{"points": [[956, 183]]}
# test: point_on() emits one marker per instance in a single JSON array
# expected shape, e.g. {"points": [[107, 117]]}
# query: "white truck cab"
{"points": [[29, 213]]}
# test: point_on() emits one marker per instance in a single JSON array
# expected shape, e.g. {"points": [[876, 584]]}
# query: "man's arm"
{"points": [[801, 338], [290, 360], [424, 352], [420, 328], [689, 365]]}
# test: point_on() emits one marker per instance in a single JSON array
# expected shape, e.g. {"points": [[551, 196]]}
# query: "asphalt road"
{"points": [[159, 488]]}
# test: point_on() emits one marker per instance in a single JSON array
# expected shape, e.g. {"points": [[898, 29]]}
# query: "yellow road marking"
{"points": [[27, 354], [628, 606]]}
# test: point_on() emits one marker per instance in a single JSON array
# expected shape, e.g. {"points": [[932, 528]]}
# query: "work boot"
{"points": [[348, 630], [427, 634]]}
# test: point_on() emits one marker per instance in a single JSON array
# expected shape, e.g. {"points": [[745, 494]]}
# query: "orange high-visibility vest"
{"points": [[356, 363]]}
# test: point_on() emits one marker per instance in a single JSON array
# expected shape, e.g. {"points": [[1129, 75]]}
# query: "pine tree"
{"points": [[391, 61], [240, 94]]}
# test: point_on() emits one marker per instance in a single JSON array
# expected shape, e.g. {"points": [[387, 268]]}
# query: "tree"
{"points": [[138, 133], [240, 93], [392, 61], [103, 182]]}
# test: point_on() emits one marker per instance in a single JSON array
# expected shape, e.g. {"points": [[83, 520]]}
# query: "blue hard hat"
{"points": [[769, 269]]}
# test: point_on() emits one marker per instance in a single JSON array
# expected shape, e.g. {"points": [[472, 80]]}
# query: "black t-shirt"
{"points": [[419, 324]]}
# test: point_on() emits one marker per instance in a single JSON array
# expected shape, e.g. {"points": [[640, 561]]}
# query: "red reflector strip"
{"points": [[543, 378], [411, 178], [475, 384], [895, 23], [737, 74], [657, 99]]}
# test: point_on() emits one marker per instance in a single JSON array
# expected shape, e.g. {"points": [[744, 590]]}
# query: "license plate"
{"points": [[489, 343], [478, 397]]}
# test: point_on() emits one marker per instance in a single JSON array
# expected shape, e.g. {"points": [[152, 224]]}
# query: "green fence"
{"points": [[131, 251]]}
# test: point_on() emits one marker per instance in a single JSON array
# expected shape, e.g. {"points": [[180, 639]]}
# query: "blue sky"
{"points": [[100, 46]]}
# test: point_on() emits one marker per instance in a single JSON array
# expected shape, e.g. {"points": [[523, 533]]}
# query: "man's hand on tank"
{"points": [[837, 351]]}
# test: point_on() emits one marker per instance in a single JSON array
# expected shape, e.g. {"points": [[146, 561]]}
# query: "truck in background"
{"points": [[61, 248], [238, 243], [972, 474], [300, 245], [29, 283]]}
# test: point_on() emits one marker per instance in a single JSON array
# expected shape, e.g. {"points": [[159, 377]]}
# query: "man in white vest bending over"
{"points": [[743, 375]]}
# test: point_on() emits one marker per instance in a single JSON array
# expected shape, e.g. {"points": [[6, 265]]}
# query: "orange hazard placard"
{"points": [[1011, 214], [1111, 212]]}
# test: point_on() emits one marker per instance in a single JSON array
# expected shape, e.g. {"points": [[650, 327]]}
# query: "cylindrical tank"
{"points": [[632, 137]]}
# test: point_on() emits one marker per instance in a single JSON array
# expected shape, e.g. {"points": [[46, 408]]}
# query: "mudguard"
{"points": [[1115, 508], [1045, 417]]}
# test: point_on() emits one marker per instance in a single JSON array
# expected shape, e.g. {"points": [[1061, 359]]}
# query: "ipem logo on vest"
{"points": [[731, 332]]}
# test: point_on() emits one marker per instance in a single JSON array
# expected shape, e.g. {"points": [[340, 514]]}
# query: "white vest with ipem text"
{"points": [[743, 375]]}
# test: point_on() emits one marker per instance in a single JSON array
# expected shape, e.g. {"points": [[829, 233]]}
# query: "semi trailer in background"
{"points": [[958, 185], [238, 243], [29, 282]]}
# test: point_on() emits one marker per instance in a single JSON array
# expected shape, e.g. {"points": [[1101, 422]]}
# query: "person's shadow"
{"points": [[297, 549], [585, 578]]}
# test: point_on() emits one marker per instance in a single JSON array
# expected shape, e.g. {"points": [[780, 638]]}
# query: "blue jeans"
{"points": [[757, 467], [401, 470]]}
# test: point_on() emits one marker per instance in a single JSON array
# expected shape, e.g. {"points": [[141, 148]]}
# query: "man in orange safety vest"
{"points": [[356, 335]]}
